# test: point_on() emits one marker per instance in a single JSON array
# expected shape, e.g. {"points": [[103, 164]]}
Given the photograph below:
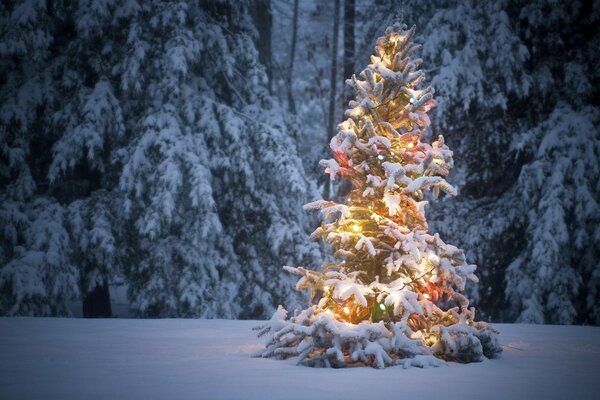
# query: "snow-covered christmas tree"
{"points": [[393, 295]]}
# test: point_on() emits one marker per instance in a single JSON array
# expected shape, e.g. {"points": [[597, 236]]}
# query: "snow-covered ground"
{"points": [[43, 358]]}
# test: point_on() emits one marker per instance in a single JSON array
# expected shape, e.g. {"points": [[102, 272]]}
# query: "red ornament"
{"points": [[341, 158], [431, 292]]}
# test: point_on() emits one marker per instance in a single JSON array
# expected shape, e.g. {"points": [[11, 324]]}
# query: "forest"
{"points": [[165, 149]]}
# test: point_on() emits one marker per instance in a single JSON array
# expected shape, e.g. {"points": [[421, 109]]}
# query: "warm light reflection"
{"points": [[356, 228], [346, 310]]}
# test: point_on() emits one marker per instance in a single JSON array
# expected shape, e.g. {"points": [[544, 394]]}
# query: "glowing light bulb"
{"points": [[426, 296], [411, 145], [382, 307], [356, 228], [356, 112], [346, 310], [380, 157]]}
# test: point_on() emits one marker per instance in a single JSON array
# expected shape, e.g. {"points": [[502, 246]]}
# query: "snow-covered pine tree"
{"points": [[480, 79], [37, 275], [60, 106], [521, 117], [531, 202], [556, 276], [211, 217], [393, 296], [136, 155], [178, 251], [90, 131]]}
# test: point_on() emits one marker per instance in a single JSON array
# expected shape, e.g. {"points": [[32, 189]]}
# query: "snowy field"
{"points": [[65, 359]]}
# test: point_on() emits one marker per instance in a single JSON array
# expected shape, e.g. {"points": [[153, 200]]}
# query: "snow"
{"points": [[153, 148], [211, 359]]}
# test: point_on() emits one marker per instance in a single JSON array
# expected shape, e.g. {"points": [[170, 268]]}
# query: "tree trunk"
{"points": [[333, 87], [348, 93], [96, 304], [291, 102], [349, 43], [263, 20]]}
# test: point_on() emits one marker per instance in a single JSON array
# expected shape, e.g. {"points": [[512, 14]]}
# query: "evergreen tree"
{"points": [[393, 296], [210, 217], [510, 77], [62, 117], [556, 278], [131, 152], [37, 275]]}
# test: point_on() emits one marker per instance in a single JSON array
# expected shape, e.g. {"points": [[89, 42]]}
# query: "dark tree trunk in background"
{"points": [[349, 43], [348, 93], [263, 20], [333, 87], [291, 102], [96, 304]]}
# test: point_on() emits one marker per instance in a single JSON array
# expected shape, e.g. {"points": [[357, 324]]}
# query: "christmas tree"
{"points": [[393, 296]]}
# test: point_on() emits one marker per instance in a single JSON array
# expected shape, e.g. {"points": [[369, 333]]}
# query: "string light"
{"points": [[356, 112], [356, 228], [382, 307], [346, 310]]}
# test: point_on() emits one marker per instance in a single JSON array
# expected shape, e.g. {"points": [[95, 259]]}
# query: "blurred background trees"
{"points": [[167, 148]]}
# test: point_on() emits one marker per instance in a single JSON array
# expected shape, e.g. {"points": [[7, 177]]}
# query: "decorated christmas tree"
{"points": [[393, 295]]}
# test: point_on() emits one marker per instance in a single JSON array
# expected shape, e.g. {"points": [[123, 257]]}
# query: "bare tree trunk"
{"points": [[96, 304], [263, 20], [333, 86], [291, 102], [349, 54], [349, 44]]}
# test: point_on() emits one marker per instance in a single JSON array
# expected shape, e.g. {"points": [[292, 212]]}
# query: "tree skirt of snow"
{"points": [[44, 358]]}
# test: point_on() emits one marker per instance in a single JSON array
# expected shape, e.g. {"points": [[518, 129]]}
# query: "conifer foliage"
{"points": [[526, 148], [393, 295], [130, 151]]}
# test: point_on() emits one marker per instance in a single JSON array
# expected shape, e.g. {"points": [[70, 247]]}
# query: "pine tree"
{"points": [[37, 274], [61, 124], [131, 152], [555, 278], [528, 212], [393, 294], [210, 216]]}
